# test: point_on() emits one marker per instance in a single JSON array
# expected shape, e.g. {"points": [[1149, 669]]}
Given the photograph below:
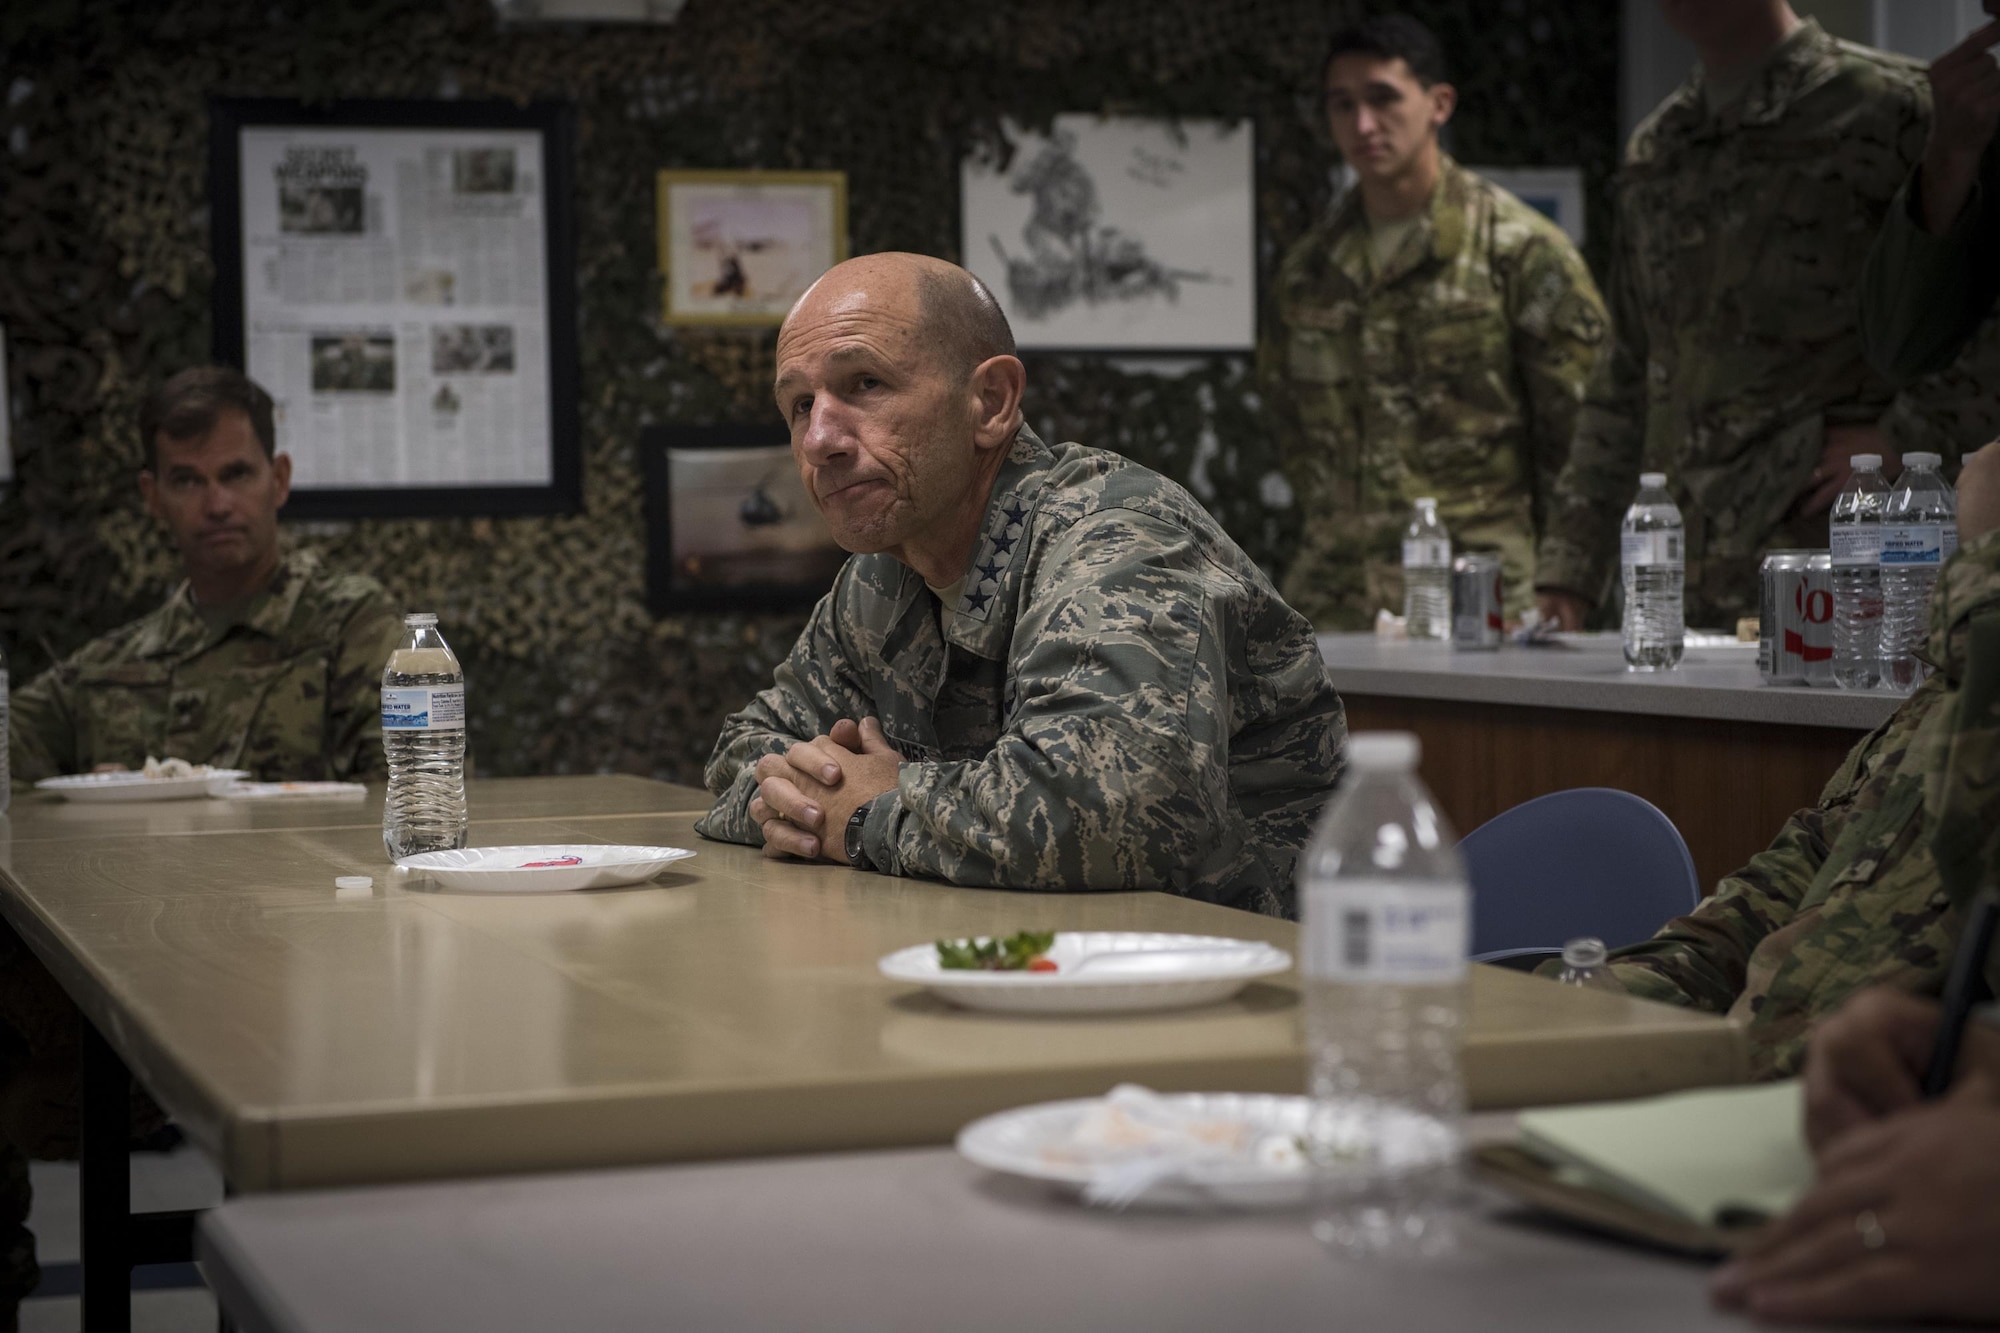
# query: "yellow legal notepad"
{"points": [[1694, 1171]]}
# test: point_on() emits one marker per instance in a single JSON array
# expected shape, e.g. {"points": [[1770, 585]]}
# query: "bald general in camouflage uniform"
{"points": [[1869, 887], [1083, 684], [1456, 371], [1117, 700], [287, 686], [1742, 234]]}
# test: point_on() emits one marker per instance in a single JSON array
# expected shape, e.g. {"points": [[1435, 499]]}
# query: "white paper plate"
{"points": [[549, 868], [1037, 1142], [1165, 980], [135, 786]]}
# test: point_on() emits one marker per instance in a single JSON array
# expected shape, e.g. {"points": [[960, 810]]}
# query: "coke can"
{"points": [[1795, 621], [1475, 601]]}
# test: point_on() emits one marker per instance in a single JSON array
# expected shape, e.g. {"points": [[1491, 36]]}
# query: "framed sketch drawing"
{"points": [[401, 276], [1123, 234], [729, 524], [738, 247], [1554, 192]]}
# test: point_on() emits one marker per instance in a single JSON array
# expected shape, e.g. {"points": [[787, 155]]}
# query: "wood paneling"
{"points": [[1728, 786]]}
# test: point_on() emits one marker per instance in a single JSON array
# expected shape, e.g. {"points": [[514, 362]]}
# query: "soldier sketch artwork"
{"points": [[1118, 233]]}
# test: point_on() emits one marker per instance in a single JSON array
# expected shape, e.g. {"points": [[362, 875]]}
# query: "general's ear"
{"points": [[997, 385], [281, 473]]}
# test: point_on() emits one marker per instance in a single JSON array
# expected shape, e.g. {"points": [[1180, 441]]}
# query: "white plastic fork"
{"points": [[1076, 965]]}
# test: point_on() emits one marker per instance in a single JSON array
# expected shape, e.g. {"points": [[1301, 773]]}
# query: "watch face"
{"points": [[854, 854]]}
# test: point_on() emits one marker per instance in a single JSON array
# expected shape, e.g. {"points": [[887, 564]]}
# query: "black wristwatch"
{"points": [[857, 855]]}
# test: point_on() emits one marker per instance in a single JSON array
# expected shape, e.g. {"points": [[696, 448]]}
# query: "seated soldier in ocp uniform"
{"points": [[259, 661]]}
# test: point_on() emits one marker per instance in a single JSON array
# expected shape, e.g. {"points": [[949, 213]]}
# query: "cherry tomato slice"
{"points": [[1041, 963]]}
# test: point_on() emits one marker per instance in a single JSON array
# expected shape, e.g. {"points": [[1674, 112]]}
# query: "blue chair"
{"points": [[1591, 861]]}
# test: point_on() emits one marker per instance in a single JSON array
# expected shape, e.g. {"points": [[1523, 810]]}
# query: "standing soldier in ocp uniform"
{"points": [[1746, 208], [1437, 335]]}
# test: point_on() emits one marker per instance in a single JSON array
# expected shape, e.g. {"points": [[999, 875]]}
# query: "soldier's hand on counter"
{"points": [[1979, 493], [1836, 464], [1965, 101], [1565, 608]]}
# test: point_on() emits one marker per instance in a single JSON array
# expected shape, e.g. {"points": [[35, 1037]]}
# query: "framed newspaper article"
{"points": [[401, 277], [729, 525], [738, 247]]}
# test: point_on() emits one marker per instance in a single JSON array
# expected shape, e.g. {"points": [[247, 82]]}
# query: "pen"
{"points": [[1962, 989]]}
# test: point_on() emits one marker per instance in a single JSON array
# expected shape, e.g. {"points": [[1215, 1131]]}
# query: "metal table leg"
{"points": [[114, 1238]]}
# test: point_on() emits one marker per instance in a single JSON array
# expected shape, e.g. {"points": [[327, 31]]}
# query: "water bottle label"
{"points": [[1659, 547], [1949, 546], [1426, 552], [1856, 544], [1387, 930], [424, 708], [1906, 544]]}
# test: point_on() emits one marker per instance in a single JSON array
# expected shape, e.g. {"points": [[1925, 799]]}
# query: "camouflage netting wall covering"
{"points": [[105, 276]]}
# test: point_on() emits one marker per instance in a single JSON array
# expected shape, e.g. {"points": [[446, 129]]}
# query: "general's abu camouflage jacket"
{"points": [[291, 691], [1742, 238], [1869, 887], [1456, 372], [1120, 699]]}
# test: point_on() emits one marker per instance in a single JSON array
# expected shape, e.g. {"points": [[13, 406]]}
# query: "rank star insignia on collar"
{"points": [[1014, 513], [990, 572]]}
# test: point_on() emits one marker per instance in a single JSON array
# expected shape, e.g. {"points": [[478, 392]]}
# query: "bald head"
{"points": [[944, 308]]}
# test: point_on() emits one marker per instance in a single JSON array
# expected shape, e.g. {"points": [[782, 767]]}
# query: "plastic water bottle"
{"points": [[1585, 965], [423, 735], [1385, 911], [1856, 539], [1919, 533], [1654, 558], [1426, 573]]}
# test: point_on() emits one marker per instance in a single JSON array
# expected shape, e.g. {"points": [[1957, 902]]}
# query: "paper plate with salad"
{"points": [[1085, 971]]}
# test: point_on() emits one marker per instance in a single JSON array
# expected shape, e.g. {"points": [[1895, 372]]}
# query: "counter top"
{"points": [[1587, 671]]}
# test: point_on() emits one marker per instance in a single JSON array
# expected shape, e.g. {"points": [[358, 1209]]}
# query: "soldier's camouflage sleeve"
{"points": [[354, 692], [1580, 532], [1112, 772], [1702, 960], [1965, 790], [814, 687], [1922, 296], [42, 726], [1560, 330]]}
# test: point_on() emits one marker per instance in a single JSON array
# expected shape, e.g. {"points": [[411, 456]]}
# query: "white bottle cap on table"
{"points": [[1866, 460], [1384, 751], [1654, 480]]}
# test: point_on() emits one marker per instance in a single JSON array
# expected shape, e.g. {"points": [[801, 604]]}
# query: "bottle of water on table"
{"points": [[1856, 539], [1385, 914], [423, 735], [1919, 533], [1426, 573], [1654, 559], [1586, 965]]}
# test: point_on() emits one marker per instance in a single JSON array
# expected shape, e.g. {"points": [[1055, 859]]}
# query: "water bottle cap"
{"points": [[1922, 459], [418, 619], [1866, 462], [1384, 751], [1585, 951], [1656, 481], [1425, 502]]}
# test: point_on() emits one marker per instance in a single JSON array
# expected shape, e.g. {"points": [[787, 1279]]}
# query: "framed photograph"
{"points": [[738, 247], [1554, 192], [729, 525], [1123, 234], [401, 276]]}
